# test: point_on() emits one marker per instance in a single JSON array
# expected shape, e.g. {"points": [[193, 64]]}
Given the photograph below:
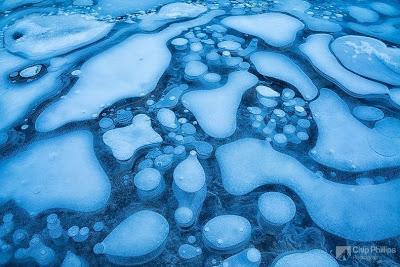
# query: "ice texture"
{"points": [[345, 143], [363, 213], [37, 37], [311, 258], [73, 178], [316, 49], [215, 110], [136, 240], [126, 141], [281, 67], [128, 68], [368, 57], [276, 29]]}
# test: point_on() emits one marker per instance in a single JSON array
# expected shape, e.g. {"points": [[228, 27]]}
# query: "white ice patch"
{"points": [[364, 213], [368, 57], [275, 29], [316, 49], [281, 67], [124, 142], [215, 110], [362, 14], [311, 258], [37, 36], [138, 239], [11, 4], [61, 172], [129, 69], [181, 10], [345, 143]]}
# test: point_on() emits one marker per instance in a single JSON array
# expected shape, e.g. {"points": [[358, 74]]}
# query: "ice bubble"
{"points": [[194, 69], [149, 183], [275, 29], [72, 260], [227, 233], [137, 240], [229, 45], [187, 251], [385, 9], [368, 113], [181, 10], [311, 258], [250, 257], [265, 91], [124, 142], [38, 251], [31, 71], [180, 43], [167, 118], [73, 178], [190, 189], [215, 110], [362, 14], [275, 211]]}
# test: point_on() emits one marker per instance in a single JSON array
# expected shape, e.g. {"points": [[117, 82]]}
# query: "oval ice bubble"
{"points": [[275, 210], [250, 257], [226, 233], [149, 183], [138, 239]]}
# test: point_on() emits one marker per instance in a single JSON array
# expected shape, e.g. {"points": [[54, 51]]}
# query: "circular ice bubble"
{"points": [[212, 77], [253, 255], [188, 129], [280, 139], [368, 113], [226, 233], [195, 68], [287, 94], [229, 45], [138, 239], [268, 103], [183, 216], [196, 47], [106, 124], [31, 71], [315, 257], [187, 251], [167, 118], [147, 179], [276, 208], [180, 43]]}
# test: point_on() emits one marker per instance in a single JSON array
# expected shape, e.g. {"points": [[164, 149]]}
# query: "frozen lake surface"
{"points": [[225, 133]]}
